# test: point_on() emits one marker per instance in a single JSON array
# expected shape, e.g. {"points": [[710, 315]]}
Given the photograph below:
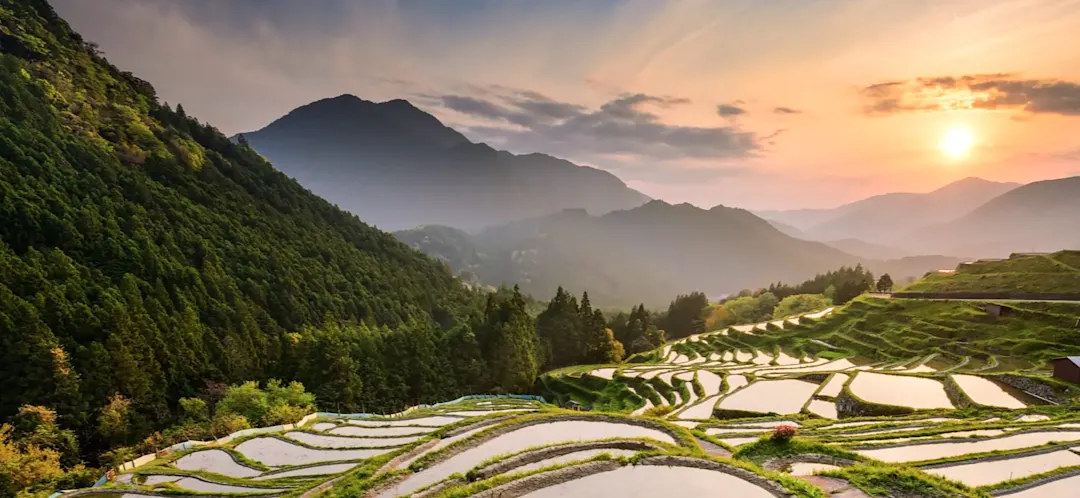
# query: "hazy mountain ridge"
{"points": [[1042, 216], [885, 219], [646, 254], [398, 167]]}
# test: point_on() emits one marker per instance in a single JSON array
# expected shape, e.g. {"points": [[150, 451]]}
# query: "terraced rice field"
{"points": [[897, 390], [901, 411], [540, 450], [726, 396]]}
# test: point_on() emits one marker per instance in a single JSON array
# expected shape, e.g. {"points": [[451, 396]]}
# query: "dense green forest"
{"points": [[145, 259]]}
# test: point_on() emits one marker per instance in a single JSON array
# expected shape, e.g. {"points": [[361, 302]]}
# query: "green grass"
{"points": [[899, 330], [766, 449], [903, 482], [1028, 273]]}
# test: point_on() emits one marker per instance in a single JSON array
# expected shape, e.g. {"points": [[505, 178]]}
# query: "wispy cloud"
{"points": [[626, 124], [729, 110], [977, 91], [786, 110]]}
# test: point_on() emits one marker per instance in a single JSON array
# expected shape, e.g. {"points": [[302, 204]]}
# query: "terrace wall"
{"points": [[1017, 296]]}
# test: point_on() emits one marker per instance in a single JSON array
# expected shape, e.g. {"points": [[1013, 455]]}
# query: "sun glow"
{"points": [[957, 142]]}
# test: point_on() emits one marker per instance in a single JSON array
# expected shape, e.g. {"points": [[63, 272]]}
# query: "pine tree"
{"points": [[512, 350]]}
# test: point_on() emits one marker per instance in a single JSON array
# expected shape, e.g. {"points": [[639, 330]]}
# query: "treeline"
{"points": [[839, 286]]}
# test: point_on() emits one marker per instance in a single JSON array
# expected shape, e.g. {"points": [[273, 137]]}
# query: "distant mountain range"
{"points": [[646, 254], [1037, 217], [541, 222], [886, 219], [970, 218], [396, 166]]}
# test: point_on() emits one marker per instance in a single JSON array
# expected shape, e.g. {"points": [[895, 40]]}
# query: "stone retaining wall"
{"points": [[956, 394], [777, 464], [1031, 386]]}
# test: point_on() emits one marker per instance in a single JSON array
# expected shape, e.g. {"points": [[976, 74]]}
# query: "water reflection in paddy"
{"points": [[986, 392], [776, 396], [985, 473], [648, 481], [806, 469], [834, 385], [897, 390], [826, 409]]}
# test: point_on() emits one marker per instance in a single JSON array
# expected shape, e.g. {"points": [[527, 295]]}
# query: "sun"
{"points": [[957, 142]]}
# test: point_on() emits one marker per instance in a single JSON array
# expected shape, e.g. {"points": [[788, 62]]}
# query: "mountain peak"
{"points": [[398, 166], [973, 182]]}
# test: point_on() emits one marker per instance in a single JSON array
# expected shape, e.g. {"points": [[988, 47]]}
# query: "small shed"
{"points": [[573, 405], [996, 309], [1067, 368]]}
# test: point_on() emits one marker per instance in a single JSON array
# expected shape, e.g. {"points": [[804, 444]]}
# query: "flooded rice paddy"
{"points": [[216, 461], [992, 472], [275, 452], [834, 385], [771, 396], [521, 439], [898, 390], [986, 392]]}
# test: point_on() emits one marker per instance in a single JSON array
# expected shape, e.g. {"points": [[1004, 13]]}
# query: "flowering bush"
{"points": [[784, 433]]}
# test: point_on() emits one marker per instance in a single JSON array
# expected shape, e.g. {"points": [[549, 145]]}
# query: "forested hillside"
{"points": [[144, 258]]}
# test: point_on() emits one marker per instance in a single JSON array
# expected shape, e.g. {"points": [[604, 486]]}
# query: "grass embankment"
{"points": [[1021, 273], [893, 330], [766, 449], [892, 480]]}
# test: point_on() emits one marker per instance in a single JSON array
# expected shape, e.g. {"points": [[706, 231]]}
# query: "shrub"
{"points": [[284, 414], [784, 433], [194, 409], [658, 411], [228, 423]]}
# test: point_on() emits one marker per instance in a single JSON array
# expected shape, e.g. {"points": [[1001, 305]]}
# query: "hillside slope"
{"points": [[143, 254], [1055, 273], [1038, 217], [399, 167]]}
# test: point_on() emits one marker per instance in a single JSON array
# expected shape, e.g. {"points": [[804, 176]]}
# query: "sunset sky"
{"points": [[758, 104]]}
